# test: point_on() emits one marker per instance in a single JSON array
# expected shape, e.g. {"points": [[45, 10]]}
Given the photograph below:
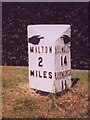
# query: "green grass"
{"points": [[26, 106], [14, 76], [19, 101], [83, 76]]}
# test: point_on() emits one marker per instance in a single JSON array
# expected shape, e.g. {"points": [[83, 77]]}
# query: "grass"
{"points": [[14, 75], [19, 101]]}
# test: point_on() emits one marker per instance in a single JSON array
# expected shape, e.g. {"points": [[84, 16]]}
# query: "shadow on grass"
{"points": [[74, 81], [42, 93]]}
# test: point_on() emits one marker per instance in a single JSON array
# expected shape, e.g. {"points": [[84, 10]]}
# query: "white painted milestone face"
{"points": [[41, 49]]}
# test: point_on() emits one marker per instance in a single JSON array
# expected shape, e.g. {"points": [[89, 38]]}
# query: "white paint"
{"points": [[50, 61]]}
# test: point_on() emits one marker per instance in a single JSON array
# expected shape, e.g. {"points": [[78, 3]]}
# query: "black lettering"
{"points": [[62, 49], [40, 61], [31, 49], [44, 74], [36, 49], [40, 75], [36, 73], [62, 85], [61, 61], [50, 49], [55, 75], [50, 75], [39, 49], [65, 60], [31, 73], [46, 49], [65, 84]]}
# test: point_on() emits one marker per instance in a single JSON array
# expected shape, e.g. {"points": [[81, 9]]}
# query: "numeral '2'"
{"points": [[40, 62]]}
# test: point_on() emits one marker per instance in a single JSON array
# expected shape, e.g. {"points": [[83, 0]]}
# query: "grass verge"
{"points": [[19, 101]]}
